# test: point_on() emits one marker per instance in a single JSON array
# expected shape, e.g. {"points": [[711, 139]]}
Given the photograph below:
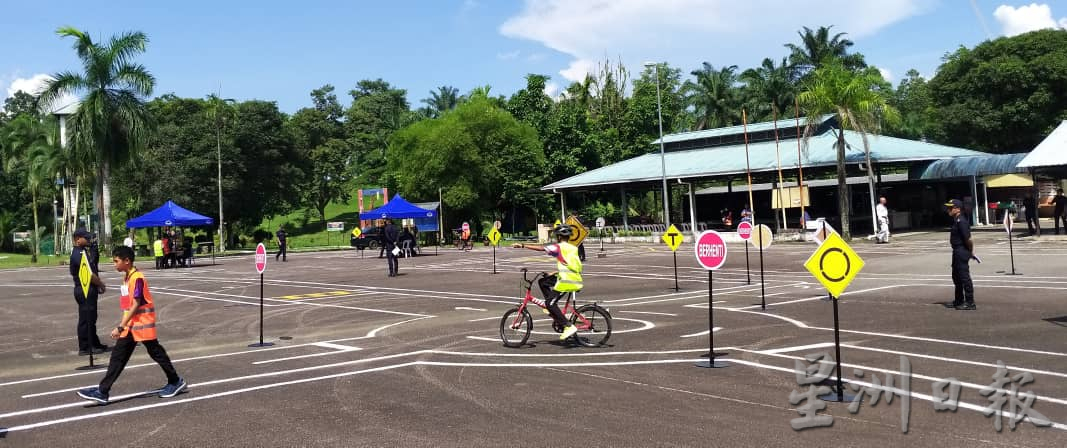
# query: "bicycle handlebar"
{"points": [[529, 281]]}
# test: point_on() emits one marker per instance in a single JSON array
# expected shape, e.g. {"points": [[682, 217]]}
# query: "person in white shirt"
{"points": [[128, 242], [883, 221]]}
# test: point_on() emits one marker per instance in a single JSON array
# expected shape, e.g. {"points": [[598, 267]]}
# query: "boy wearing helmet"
{"points": [[567, 278]]}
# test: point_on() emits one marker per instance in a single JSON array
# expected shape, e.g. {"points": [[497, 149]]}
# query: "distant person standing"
{"points": [[962, 252], [157, 250], [391, 236], [128, 242], [882, 213], [1060, 211], [88, 341], [746, 214], [1031, 215], [282, 243]]}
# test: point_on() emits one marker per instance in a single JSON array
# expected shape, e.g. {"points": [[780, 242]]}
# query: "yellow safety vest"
{"points": [[157, 247], [569, 266]]}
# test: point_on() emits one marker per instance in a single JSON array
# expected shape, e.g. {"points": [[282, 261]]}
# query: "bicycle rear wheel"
{"points": [[517, 335], [594, 325]]}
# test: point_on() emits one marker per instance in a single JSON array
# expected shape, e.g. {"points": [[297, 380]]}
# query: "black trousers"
{"points": [[1031, 223], [120, 356], [961, 277], [281, 251], [394, 265], [581, 251], [1059, 216], [552, 299], [87, 338]]}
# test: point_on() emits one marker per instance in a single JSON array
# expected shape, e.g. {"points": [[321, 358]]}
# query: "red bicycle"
{"points": [[593, 322]]}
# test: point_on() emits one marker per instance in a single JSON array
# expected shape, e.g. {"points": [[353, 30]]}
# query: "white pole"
{"points": [[985, 195]]}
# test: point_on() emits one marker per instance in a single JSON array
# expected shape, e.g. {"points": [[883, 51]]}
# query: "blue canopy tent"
{"points": [[398, 208], [169, 214]]}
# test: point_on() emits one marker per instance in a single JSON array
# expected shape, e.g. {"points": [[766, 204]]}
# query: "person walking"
{"points": [[962, 252], [1031, 215], [138, 325], [86, 298], [1059, 212], [282, 243], [390, 237]]}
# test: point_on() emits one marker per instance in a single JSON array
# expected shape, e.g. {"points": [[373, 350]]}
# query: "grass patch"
{"points": [[10, 261], [306, 229]]}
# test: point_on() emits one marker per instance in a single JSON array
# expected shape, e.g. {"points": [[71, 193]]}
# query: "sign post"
{"points": [[834, 264], [744, 230], [763, 241], [674, 238], [494, 240], [356, 232], [710, 250], [85, 276], [1009, 225], [261, 266], [600, 223]]}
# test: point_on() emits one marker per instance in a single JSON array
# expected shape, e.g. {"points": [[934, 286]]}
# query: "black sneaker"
{"points": [[968, 307], [93, 394]]}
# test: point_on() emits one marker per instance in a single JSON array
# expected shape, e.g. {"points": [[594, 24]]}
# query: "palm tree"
{"points": [[30, 147], [714, 96], [219, 110], [816, 47], [859, 105], [444, 99], [770, 87], [112, 121]]}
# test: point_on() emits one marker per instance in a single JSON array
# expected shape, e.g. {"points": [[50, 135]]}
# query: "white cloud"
{"points": [[687, 32], [886, 74], [552, 90], [507, 56], [1015, 21], [33, 86]]}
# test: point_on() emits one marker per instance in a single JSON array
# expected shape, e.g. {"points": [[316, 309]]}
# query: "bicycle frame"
{"points": [[568, 308]]}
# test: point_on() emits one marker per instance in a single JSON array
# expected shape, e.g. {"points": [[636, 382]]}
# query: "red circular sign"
{"points": [[466, 226], [261, 258], [710, 250], [744, 230]]}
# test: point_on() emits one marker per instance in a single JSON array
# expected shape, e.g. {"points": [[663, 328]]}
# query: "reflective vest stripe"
{"points": [[143, 327], [144, 310], [569, 266], [143, 321]]}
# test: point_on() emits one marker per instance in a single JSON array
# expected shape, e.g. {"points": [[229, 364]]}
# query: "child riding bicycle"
{"points": [[567, 278]]}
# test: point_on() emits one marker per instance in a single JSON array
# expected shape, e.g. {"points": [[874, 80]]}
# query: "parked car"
{"points": [[370, 238]]}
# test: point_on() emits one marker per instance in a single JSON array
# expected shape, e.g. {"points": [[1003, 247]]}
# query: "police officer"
{"points": [[962, 252], [88, 341], [390, 237]]}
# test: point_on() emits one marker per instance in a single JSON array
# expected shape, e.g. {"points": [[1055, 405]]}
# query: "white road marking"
{"points": [[648, 312], [799, 348], [483, 318], [716, 329], [335, 346], [470, 309]]}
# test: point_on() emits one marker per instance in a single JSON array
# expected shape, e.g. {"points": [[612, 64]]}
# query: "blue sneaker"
{"points": [[171, 390], [93, 394]]}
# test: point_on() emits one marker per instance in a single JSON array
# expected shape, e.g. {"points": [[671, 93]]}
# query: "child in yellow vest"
{"points": [[566, 279], [138, 324]]}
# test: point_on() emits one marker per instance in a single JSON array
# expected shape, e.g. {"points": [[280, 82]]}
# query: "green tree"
{"points": [[444, 99], [17, 104], [714, 96], [1003, 96], [30, 148], [859, 103], [271, 167], [112, 121], [770, 88], [912, 99], [818, 46], [377, 111], [221, 111]]}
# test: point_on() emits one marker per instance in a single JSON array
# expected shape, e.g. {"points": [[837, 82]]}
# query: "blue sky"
{"points": [[281, 50]]}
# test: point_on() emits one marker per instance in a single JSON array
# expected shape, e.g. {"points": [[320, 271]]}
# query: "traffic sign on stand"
{"points": [[761, 236], [356, 232], [710, 250], [261, 258], [1009, 225], [494, 236], [673, 238], [261, 266], [579, 231], [744, 230], [834, 264]]}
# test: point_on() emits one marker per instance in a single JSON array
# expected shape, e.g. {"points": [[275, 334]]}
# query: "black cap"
{"points": [[954, 203], [82, 233]]}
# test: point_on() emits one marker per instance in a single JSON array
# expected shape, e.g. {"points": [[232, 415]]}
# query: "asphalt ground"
{"points": [[365, 360]]}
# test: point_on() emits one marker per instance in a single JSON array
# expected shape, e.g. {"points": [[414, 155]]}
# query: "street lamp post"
{"points": [[662, 159]]}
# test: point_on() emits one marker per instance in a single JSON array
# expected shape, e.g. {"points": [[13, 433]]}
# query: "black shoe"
{"points": [[968, 307], [103, 347]]}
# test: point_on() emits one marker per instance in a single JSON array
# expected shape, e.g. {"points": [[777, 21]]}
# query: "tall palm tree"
{"points": [[714, 96], [30, 147], [817, 46], [443, 100], [220, 110], [112, 121], [770, 87], [858, 104]]}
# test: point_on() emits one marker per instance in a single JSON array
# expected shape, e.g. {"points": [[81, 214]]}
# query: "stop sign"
{"points": [[261, 258], [710, 250], [744, 230], [466, 227]]}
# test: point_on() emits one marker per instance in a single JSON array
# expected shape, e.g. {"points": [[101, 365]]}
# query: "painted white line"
{"points": [[703, 305], [648, 312], [481, 338], [954, 360], [157, 290], [483, 318], [716, 329], [470, 309], [945, 341], [645, 325], [798, 323], [335, 346], [799, 348]]}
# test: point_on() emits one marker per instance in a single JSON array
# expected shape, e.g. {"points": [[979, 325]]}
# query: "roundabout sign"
{"points": [[834, 264]]}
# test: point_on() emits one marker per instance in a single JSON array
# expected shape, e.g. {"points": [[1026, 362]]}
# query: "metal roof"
{"points": [[984, 165], [1052, 151], [730, 160], [738, 130], [853, 180]]}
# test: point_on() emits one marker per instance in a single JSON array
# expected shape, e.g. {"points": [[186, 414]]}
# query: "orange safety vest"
{"points": [[143, 322]]}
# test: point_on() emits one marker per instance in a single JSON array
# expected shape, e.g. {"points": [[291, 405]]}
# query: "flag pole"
{"points": [[800, 165], [778, 154], [748, 168]]}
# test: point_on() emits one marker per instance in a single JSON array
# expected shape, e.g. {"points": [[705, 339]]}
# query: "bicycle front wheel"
{"points": [[515, 328], [594, 325]]}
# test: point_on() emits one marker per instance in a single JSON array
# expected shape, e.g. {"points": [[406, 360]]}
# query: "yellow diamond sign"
{"points": [[356, 232], [494, 236], [673, 238], [84, 274], [834, 264], [579, 232]]}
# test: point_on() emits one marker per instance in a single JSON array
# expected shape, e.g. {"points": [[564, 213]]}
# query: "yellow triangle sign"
{"points": [[673, 238]]}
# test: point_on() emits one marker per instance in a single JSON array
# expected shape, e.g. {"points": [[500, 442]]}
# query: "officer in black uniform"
{"points": [[962, 252], [88, 341]]}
